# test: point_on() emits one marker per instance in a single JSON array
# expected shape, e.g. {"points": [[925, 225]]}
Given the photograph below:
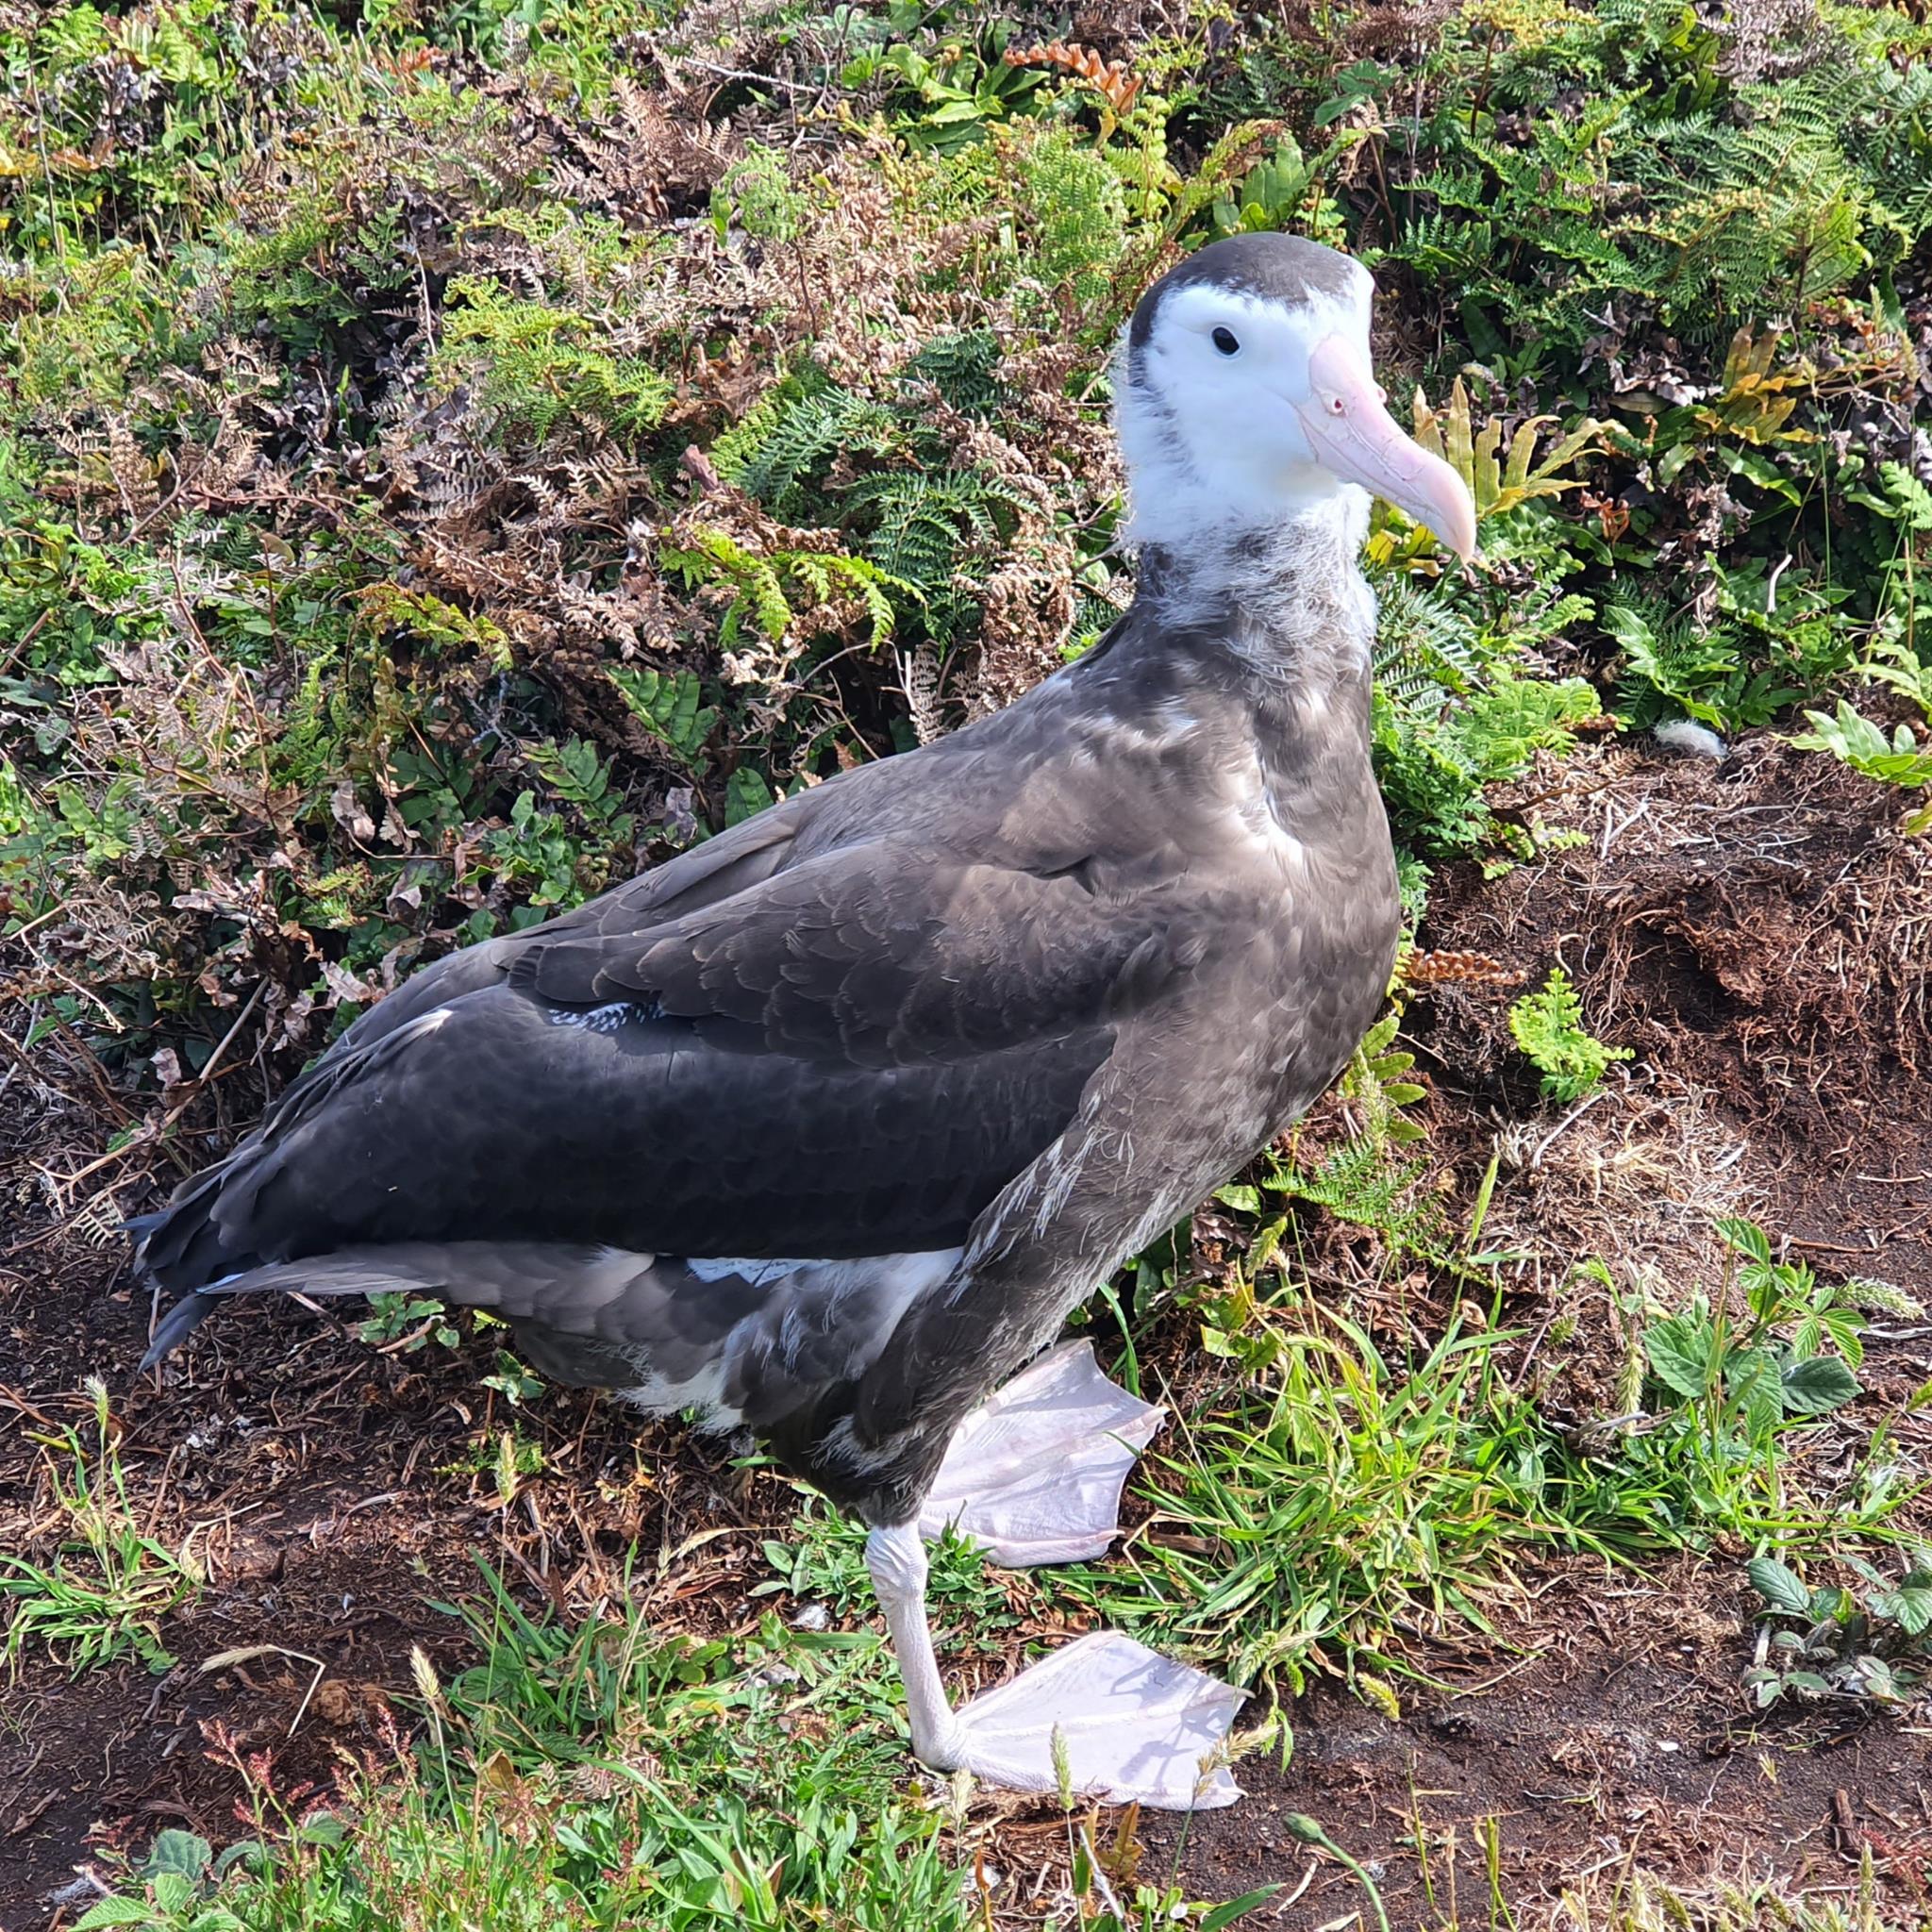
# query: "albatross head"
{"points": [[1246, 401]]}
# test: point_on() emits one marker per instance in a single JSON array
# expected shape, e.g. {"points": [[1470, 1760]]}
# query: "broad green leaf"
{"points": [[115, 1911], [1746, 1237], [174, 1891], [1817, 1386], [1829, 1606], [179, 1851], [1911, 1607], [1877, 1675], [1845, 1327], [253, 1854], [1778, 1585], [1679, 1352], [745, 796]]}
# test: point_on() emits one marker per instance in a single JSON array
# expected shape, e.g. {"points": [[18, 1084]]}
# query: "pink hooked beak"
{"points": [[1356, 438]]}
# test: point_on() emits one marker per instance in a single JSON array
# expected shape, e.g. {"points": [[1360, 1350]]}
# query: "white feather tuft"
{"points": [[1683, 734]]}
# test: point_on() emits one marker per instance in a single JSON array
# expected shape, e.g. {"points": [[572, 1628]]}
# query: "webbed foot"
{"points": [[1133, 1728], [1035, 1473]]}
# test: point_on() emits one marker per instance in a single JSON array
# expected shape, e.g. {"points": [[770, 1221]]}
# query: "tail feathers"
{"points": [[182, 1246], [374, 1272], [176, 1326], [370, 1271]]}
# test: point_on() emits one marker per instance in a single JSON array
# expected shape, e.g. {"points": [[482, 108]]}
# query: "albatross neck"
{"points": [[1285, 608]]}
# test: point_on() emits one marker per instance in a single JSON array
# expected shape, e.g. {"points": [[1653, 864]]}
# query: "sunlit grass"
{"points": [[103, 1592], [603, 1776], [1638, 1902], [1335, 1495], [1342, 1491]]}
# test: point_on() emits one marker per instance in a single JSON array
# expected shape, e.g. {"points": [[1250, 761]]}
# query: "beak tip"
{"points": [[1460, 534]]}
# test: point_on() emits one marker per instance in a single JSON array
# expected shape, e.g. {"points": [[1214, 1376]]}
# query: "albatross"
{"points": [[824, 1127]]}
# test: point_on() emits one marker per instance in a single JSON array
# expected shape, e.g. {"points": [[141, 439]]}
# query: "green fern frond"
{"points": [[926, 519], [1426, 647], [800, 426], [1548, 1026], [666, 702], [964, 369], [773, 593]]}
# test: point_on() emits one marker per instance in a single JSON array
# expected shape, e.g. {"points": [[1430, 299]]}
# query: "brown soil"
{"points": [[1760, 936], [334, 1500], [1755, 930], [1617, 1739]]}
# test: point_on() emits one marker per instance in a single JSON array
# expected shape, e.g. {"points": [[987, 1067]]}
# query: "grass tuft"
{"points": [[103, 1594]]}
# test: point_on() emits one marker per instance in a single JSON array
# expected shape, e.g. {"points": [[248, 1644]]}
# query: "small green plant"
{"points": [[1152, 1910], [824, 1561], [1867, 1642], [1286, 190], [1078, 206], [1498, 482], [408, 1320], [948, 99], [1778, 1364], [1785, 1293], [1892, 661], [535, 367], [666, 702], [109, 1585], [182, 1872], [757, 196], [770, 593], [541, 854], [506, 1458], [1697, 1356], [1454, 710], [1548, 1026], [1368, 1181], [1341, 1487], [1727, 1390], [514, 1382], [435, 624], [1851, 736]]}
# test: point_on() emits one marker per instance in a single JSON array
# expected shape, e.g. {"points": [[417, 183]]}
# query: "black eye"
{"points": [[1224, 339]]}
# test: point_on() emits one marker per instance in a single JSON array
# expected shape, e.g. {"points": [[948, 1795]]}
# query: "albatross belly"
{"points": [[822, 1322], [740, 1339]]}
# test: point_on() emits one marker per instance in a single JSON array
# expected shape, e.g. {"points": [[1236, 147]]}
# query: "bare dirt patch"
{"points": [[333, 1496], [1616, 1740], [1761, 935]]}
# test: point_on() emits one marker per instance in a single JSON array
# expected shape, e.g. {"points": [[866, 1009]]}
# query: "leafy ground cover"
{"points": [[452, 455]]}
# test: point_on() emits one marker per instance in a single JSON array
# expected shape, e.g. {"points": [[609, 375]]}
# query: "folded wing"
{"points": [[842, 1054]]}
